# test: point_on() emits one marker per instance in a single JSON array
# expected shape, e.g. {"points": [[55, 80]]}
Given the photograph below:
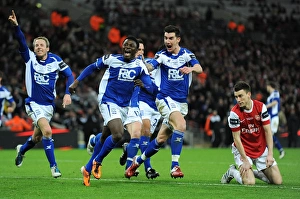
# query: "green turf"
{"points": [[203, 169]]}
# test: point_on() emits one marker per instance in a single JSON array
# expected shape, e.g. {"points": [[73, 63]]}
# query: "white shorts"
{"points": [[167, 106], [134, 115], [149, 113], [259, 162], [274, 124], [37, 111], [112, 111]]}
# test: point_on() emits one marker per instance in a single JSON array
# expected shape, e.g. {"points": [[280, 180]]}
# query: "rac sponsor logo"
{"points": [[126, 74], [174, 75], [41, 78]]}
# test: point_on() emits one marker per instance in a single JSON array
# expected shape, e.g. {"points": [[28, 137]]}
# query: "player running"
{"points": [[42, 72], [115, 92], [174, 66]]}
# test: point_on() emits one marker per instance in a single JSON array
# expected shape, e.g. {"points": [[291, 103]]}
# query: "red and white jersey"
{"points": [[250, 123]]}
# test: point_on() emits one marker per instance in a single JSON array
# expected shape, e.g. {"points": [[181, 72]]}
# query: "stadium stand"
{"points": [[268, 49]]}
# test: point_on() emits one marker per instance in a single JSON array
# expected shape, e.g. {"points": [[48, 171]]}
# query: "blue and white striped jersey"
{"points": [[170, 81], [5, 95], [41, 75], [274, 110], [117, 83]]}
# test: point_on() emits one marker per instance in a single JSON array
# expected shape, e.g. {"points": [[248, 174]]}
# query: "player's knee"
{"points": [[146, 132], [277, 181], [47, 133], [135, 134], [116, 137], [178, 123], [181, 126], [37, 139], [248, 178], [161, 139], [249, 181]]}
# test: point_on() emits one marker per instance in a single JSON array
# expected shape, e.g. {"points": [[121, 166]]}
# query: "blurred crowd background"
{"points": [[251, 40]]}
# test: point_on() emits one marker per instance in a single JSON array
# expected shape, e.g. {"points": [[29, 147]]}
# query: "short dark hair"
{"points": [[140, 41], [1, 74], [171, 28], [133, 39], [241, 85], [272, 84]]}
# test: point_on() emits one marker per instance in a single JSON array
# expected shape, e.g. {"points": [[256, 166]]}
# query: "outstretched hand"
{"points": [[12, 18], [66, 100], [73, 86]]}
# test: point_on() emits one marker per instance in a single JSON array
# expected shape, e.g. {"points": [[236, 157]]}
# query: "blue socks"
{"points": [[132, 149], [29, 144], [108, 145], [49, 150], [176, 147], [95, 139], [152, 149], [97, 149], [144, 142]]}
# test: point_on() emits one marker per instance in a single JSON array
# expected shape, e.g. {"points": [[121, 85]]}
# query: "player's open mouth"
{"points": [[169, 47], [126, 54]]}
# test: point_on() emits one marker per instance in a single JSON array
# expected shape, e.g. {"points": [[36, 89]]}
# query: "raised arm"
{"points": [[13, 19], [19, 35]]}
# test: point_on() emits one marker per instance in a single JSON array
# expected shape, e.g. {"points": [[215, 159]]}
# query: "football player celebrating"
{"points": [[174, 66], [42, 72], [115, 92]]}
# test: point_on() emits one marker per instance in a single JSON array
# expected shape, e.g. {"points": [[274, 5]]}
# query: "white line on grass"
{"points": [[164, 182]]}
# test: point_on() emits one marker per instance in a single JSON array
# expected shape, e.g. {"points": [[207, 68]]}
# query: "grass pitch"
{"points": [[203, 168]]}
